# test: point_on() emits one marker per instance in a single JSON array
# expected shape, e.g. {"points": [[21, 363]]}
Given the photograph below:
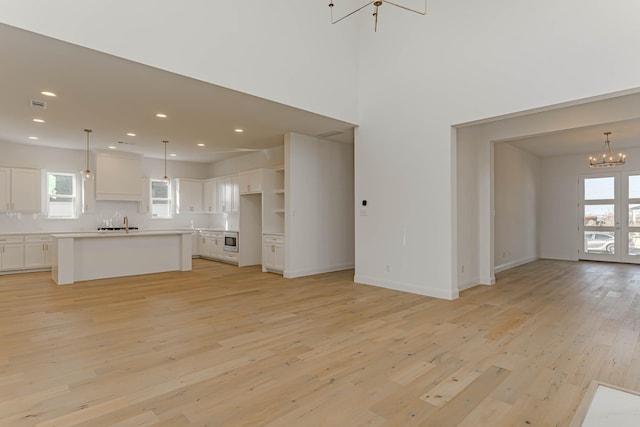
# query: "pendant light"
{"points": [[165, 178], [87, 175]]}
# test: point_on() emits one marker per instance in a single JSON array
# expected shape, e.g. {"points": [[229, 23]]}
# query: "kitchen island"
{"points": [[99, 255]]}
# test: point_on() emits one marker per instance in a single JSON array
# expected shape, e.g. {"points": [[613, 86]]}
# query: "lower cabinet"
{"points": [[211, 245], [11, 252], [273, 253], [36, 251]]}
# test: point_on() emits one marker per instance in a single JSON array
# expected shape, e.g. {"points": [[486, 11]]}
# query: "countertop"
{"points": [[133, 233]]}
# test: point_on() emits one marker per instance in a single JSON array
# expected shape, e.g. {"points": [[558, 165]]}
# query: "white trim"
{"points": [[512, 264], [490, 280], [309, 272], [469, 284], [407, 287]]}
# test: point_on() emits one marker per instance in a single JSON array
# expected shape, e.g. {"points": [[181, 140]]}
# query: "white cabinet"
{"points": [[250, 182], [230, 257], [273, 253], [20, 190], [144, 206], [235, 195], [210, 196], [5, 189], [228, 196], [217, 245], [195, 244], [11, 252], [204, 244], [117, 175], [37, 252], [189, 195], [211, 244]]}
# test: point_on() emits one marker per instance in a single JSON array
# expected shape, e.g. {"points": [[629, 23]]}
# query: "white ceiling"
{"points": [[583, 140], [113, 96]]}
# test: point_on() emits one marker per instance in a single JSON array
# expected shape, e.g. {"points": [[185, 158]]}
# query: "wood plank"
{"points": [[229, 346]]}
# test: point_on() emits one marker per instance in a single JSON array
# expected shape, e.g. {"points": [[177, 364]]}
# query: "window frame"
{"points": [[169, 199], [73, 197]]}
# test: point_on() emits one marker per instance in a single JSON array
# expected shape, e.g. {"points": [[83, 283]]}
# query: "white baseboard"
{"points": [[407, 287], [468, 284], [289, 274], [515, 263], [489, 280]]}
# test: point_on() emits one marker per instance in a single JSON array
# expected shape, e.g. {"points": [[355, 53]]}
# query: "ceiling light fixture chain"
{"points": [[606, 158], [87, 175], [165, 178], [376, 5]]}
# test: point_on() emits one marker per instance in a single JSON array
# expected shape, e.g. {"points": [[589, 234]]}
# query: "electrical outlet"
{"points": [[462, 269], [388, 268]]}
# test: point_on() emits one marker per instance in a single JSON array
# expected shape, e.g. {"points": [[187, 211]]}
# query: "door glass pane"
{"points": [[599, 188], [634, 243], [599, 242], [599, 215], [634, 187], [634, 215]]}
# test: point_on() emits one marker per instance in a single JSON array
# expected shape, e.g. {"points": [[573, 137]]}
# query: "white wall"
{"points": [[318, 206], [468, 234], [72, 161], [517, 194], [560, 197], [282, 50], [465, 60]]}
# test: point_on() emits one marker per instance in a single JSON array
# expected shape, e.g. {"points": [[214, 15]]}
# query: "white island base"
{"points": [[88, 256]]}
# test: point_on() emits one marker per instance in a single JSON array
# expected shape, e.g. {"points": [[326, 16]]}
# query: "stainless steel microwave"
{"points": [[231, 241]]}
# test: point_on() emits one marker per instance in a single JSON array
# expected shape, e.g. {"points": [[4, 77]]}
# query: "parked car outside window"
{"points": [[601, 242]]}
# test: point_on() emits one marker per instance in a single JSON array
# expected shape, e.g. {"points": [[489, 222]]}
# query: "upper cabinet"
{"points": [[250, 181], [228, 198], [118, 176], [210, 196], [190, 194], [20, 190]]}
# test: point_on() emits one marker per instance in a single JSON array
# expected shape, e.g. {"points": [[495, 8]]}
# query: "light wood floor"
{"points": [[223, 346]]}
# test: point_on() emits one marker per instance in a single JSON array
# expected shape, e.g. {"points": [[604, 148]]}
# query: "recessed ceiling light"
{"points": [[131, 134], [112, 147], [161, 115], [33, 137], [45, 93], [200, 145], [38, 120], [239, 130], [173, 155]]}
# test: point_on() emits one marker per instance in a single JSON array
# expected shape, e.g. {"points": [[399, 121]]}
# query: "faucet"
{"points": [[126, 224]]}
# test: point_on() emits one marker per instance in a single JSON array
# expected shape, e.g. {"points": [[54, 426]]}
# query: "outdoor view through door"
{"points": [[610, 217]]}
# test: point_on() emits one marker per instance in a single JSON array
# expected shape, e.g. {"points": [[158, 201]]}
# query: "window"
{"points": [[61, 195], [160, 199]]}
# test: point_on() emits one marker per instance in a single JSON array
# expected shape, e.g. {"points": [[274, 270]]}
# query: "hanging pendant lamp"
{"points": [[87, 174], [165, 178]]}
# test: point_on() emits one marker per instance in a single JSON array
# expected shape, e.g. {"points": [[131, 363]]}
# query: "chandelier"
{"points": [[376, 4], [606, 158]]}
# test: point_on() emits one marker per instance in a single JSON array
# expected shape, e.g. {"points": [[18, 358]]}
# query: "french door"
{"points": [[609, 223]]}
